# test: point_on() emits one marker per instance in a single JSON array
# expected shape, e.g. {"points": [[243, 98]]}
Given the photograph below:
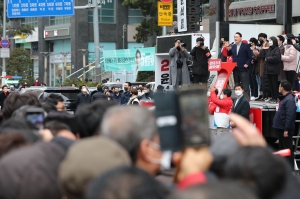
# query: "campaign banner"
{"points": [[162, 72], [142, 59], [181, 15]]}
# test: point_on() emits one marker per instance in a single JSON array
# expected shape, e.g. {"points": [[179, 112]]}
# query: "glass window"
{"points": [[106, 14], [59, 20], [32, 21], [134, 16]]}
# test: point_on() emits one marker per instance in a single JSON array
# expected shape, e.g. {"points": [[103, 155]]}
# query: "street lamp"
{"points": [[64, 67], [84, 52], [45, 54]]}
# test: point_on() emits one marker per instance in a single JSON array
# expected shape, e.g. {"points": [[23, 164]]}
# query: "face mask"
{"points": [[116, 91], [126, 89], [208, 94], [238, 93], [270, 43], [145, 91], [140, 94], [221, 97], [84, 90], [261, 41]]}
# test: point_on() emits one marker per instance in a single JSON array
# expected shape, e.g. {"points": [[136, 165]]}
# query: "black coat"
{"points": [[99, 96], [242, 108], [272, 58], [284, 118], [3, 98], [200, 60], [82, 99]]}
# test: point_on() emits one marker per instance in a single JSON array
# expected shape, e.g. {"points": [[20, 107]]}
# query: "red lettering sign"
{"points": [[164, 78], [165, 65], [214, 64], [251, 10]]}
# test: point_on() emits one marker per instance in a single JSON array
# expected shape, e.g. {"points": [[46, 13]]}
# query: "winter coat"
{"points": [[125, 97], [99, 96], [272, 59], [289, 58], [281, 75], [3, 97], [284, 118], [82, 99], [173, 67], [224, 104], [297, 47], [200, 61], [117, 98]]}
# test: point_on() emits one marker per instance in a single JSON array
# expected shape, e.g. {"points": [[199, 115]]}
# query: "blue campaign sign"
{"points": [[39, 8]]}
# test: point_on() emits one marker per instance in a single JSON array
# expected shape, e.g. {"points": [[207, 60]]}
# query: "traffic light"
{"points": [[194, 15]]}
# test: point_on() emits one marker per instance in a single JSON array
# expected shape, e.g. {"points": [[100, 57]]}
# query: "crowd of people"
{"points": [[108, 151], [262, 63], [132, 95]]}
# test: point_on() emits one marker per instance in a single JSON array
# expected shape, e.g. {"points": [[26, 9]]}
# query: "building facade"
{"points": [[65, 37]]}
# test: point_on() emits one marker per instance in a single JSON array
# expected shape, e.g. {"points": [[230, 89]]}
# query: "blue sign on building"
{"points": [[39, 8]]}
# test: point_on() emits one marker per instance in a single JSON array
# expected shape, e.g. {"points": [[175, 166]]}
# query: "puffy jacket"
{"points": [[272, 58], [224, 104], [284, 118], [289, 58]]}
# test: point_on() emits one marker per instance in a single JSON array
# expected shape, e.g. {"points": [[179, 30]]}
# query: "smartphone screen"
{"points": [[194, 118], [36, 118]]}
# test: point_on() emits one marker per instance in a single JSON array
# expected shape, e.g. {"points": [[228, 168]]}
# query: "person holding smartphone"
{"points": [[201, 55]]}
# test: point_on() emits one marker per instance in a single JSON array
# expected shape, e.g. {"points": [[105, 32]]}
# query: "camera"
{"points": [[183, 45], [297, 38]]}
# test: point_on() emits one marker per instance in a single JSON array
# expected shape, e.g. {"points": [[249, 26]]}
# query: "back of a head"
{"points": [[15, 101], [126, 183], [99, 88], [89, 116], [129, 125], [258, 168], [62, 117], [20, 126], [88, 159], [215, 190]]}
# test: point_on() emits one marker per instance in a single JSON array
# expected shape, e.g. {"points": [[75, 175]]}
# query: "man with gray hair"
{"points": [[137, 133]]}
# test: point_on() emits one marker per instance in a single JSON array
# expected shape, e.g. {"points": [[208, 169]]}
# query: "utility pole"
{"points": [[4, 36], [124, 30], [45, 54]]}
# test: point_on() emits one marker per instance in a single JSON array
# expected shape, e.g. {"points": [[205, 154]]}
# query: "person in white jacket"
{"points": [[289, 59]]}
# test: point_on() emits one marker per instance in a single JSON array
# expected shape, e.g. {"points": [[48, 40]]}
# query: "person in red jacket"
{"points": [[221, 107]]}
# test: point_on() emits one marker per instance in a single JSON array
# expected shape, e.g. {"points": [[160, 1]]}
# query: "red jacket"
{"points": [[224, 104]]}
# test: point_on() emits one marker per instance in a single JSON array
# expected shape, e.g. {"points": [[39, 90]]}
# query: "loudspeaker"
{"points": [[193, 10], [193, 2], [193, 27]]}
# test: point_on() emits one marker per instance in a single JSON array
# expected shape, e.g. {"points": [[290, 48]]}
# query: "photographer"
{"points": [[201, 56], [179, 72]]}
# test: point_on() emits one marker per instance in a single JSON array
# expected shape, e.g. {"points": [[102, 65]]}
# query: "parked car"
{"points": [[69, 95]]}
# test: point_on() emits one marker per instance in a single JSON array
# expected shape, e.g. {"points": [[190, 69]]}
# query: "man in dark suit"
{"points": [[241, 105], [242, 55]]}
